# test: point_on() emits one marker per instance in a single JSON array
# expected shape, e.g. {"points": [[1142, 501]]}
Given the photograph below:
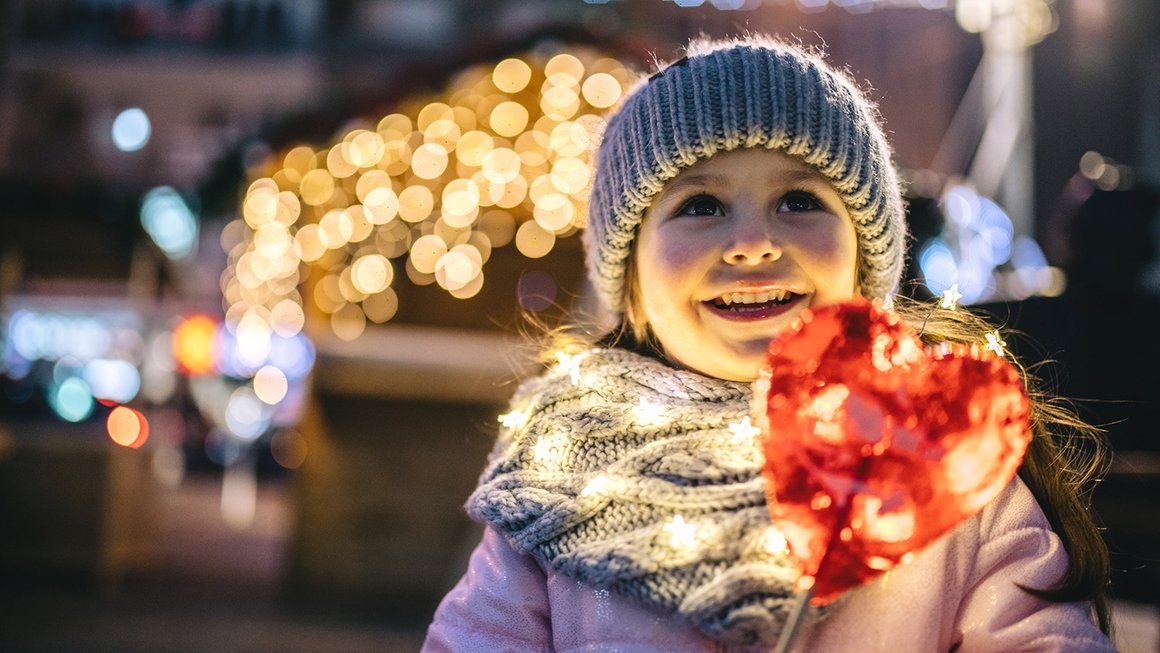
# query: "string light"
{"points": [[647, 412], [515, 419], [598, 485], [995, 343], [549, 449], [570, 363], [682, 535], [773, 541], [951, 297], [744, 431], [501, 156]]}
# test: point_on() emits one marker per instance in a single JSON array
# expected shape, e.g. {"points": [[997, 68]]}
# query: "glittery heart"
{"points": [[876, 446]]}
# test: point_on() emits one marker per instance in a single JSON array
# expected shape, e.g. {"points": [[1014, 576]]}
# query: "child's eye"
{"points": [[799, 201], [702, 205]]}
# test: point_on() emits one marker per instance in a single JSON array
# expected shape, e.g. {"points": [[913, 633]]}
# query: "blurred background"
{"points": [[264, 266]]}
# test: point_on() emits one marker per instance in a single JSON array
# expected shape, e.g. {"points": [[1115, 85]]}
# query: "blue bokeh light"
{"points": [[131, 130]]}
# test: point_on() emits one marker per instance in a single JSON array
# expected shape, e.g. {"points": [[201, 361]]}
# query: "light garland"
{"points": [[514, 420], [597, 486], [549, 450], [570, 365], [681, 534], [744, 431], [648, 413], [501, 156], [995, 343], [950, 297]]}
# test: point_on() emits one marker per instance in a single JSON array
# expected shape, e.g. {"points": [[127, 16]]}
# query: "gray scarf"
{"points": [[626, 474]]}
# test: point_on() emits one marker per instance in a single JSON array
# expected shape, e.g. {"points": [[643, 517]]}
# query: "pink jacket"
{"points": [[959, 594]]}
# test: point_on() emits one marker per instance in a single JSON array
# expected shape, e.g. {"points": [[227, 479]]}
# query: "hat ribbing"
{"points": [[723, 96]]}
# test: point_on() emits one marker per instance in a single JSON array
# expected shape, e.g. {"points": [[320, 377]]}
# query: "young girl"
{"points": [[624, 503]]}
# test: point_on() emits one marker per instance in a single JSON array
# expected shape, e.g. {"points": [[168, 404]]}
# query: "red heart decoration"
{"points": [[876, 446]]}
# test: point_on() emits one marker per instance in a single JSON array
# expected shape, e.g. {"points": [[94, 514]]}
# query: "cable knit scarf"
{"points": [[627, 474]]}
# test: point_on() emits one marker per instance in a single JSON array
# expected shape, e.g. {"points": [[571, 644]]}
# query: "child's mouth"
{"points": [[754, 305]]}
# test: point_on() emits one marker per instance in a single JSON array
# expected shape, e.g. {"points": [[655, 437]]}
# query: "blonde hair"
{"points": [[1063, 463]]}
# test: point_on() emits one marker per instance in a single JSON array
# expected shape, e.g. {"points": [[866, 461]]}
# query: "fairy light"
{"points": [[516, 419], [951, 297], [549, 449], [744, 431], [773, 541], [804, 583], [570, 364], [598, 485], [995, 343], [647, 412], [681, 534], [502, 156]]}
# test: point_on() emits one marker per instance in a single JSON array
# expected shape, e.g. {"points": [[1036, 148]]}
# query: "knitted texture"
{"points": [[750, 93], [626, 474]]}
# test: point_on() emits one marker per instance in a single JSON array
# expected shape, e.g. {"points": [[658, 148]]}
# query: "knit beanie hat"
{"points": [[746, 93]]}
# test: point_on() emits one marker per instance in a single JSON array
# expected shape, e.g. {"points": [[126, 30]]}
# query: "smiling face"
{"points": [[732, 250]]}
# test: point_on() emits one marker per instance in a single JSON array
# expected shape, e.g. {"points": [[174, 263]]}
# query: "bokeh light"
{"points": [[501, 156], [127, 427], [194, 344], [288, 448], [71, 399], [270, 384], [247, 416], [112, 379], [979, 253], [170, 222], [131, 130]]}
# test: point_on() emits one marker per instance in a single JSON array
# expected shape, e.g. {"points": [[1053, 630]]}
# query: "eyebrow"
{"points": [[791, 177], [680, 181]]}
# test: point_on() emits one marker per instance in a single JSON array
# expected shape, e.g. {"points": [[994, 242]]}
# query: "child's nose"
{"points": [[752, 244]]}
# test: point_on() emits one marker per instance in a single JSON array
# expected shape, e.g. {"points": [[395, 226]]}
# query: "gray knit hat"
{"points": [[727, 95]]}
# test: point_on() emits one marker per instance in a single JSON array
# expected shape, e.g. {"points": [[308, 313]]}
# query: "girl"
{"points": [[624, 503]]}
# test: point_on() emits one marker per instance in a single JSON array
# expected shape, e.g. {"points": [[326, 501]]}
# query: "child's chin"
{"points": [[725, 366], [745, 367]]}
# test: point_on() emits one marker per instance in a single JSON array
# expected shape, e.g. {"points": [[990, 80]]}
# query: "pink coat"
{"points": [[959, 594]]}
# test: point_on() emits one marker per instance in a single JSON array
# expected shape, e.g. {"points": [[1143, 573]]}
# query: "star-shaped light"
{"points": [[682, 535], [744, 431], [648, 413], [773, 541], [995, 343], [548, 449], [570, 363], [515, 419], [951, 297], [598, 485]]}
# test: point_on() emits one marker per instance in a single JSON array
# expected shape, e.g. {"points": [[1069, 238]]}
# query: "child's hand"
{"points": [[876, 446]]}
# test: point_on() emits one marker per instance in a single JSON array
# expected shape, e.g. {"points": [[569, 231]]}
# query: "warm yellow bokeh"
{"points": [[511, 75], [502, 156]]}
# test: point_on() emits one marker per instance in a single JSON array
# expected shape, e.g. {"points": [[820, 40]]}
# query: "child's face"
{"points": [[732, 249]]}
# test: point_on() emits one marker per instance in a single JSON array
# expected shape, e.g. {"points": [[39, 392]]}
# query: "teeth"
{"points": [[754, 298]]}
